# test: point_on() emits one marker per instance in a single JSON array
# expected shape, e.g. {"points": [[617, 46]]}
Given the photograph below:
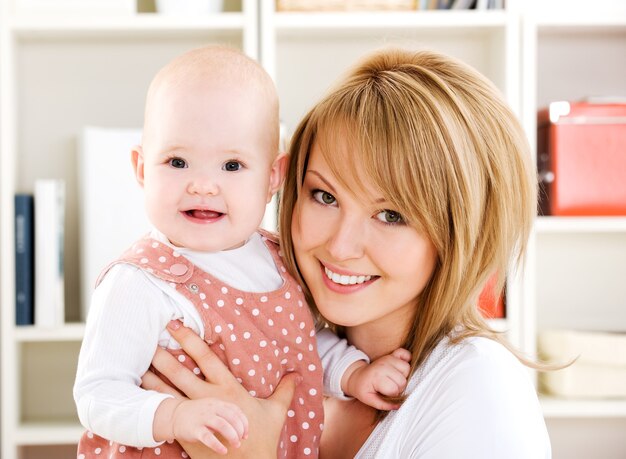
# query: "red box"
{"points": [[581, 158], [490, 306]]}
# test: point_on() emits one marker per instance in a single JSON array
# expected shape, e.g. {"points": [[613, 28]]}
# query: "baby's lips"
{"points": [[203, 214]]}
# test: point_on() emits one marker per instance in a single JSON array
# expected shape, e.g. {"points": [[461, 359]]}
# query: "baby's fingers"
{"points": [[229, 432], [401, 362], [209, 439], [391, 385], [402, 354], [233, 415], [376, 401]]}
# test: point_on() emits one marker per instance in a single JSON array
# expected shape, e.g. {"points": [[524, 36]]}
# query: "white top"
{"points": [[127, 318], [473, 400]]}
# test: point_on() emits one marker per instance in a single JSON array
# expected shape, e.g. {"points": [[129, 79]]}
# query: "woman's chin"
{"points": [[344, 320]]}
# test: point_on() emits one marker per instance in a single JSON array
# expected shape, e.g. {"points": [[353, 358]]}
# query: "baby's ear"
{"points": [[277, 175], [136, 158]]}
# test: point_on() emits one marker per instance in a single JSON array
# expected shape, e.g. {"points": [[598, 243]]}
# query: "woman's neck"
{"points": [[379, 338]]}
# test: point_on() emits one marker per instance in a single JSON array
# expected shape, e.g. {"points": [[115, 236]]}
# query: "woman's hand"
{"points": [[265, 417]]}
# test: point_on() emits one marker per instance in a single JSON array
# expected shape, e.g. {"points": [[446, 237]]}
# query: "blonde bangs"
{"points": [[434, 138], [374, 148]]}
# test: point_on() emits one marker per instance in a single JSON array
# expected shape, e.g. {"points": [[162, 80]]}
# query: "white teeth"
{"points": [[345, 280]]}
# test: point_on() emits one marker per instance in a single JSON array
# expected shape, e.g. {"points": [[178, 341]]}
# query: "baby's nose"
{"points": [[203, 186]]}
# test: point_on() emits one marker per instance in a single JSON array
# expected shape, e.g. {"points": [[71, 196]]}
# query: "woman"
{"points": [[408, 186]]}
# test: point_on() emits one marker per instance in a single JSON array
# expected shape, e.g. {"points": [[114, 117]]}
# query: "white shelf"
{"points": [[48, 433], [567, 408], [306, 22], [589, 19], [140, 24], [545, 225], [69, 332]]}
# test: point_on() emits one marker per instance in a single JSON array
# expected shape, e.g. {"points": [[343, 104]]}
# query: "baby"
{"points": [[208, 165]]}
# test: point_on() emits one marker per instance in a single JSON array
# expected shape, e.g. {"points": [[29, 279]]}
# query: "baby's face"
{"points": [[208, 165]]}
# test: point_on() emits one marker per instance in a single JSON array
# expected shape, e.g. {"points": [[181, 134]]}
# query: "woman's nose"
{"points": [[203, 186], [347, 240]]}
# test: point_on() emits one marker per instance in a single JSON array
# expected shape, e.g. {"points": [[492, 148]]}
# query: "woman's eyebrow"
{"points": [[321, 177], [331, 188]]}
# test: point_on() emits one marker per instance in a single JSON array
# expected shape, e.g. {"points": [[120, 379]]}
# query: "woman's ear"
{"points": [[277, 175], [136, 157]]}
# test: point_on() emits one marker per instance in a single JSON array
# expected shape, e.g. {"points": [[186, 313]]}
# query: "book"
{"points": [[24, 259], [600, 367], [49, 205], [490, 305], [590, 347], [582, 380], [111, 204], [463, 4]]}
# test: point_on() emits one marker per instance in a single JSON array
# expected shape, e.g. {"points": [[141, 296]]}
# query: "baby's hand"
{"points": [[386, 375], [200, 420]]}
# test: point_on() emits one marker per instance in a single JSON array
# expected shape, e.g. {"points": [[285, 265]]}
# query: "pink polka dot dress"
{"points": [[259, 336]]}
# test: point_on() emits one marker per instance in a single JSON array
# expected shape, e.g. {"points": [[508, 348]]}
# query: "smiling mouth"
{"points": [[202, 214], [343, 279]]}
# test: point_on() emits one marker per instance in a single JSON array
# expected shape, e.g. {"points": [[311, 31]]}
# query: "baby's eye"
{"points": [[178, 163], [390, 217], [324, 197], [232, 166]]}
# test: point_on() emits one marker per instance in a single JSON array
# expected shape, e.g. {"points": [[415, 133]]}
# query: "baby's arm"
{"points": [[386, 376], [121, 335], [127, 315], [199, 421], [349, 373]]}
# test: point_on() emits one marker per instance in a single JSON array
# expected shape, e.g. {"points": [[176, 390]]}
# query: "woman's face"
{"points": [[361, 262]]}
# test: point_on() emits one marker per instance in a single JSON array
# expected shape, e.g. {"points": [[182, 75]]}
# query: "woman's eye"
{"points": [[324, 197], [390, 217], [232, 166], [178, 163]]}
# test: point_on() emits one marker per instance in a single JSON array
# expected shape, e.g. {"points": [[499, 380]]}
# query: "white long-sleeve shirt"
{"points": [[128, 315], [473, 400]]}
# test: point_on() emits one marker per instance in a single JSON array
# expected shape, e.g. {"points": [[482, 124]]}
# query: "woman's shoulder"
{"points": [[476, 359], [485, 350], [462, 394], [476, 378]]}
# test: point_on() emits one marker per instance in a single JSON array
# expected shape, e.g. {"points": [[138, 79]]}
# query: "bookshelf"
{"points": [[92, 70], [575, 263], [95, 71]]}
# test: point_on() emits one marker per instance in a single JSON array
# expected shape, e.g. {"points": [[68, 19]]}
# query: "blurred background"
{"points": [[73, 78]]}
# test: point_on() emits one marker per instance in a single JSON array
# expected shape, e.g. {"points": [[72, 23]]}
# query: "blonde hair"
{"points": [[443, 147]]}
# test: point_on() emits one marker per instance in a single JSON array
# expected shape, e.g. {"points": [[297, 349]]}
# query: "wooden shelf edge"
{"points": [[48, 433], [307, 22], [68, 332], [545, 225], [139, 23], [581, 20], [554, 408]]}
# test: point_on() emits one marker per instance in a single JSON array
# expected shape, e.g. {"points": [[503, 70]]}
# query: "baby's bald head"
{"points": [[215, 66]]}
